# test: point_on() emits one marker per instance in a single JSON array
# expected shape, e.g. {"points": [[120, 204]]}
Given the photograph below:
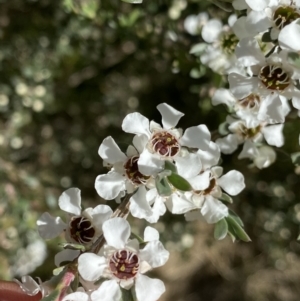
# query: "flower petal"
{"points": [[116, 231], [179, 204], [109, 185], [273, 134], [49, 226], [108, 291], [148, 289], [189, 165], [150, 164], [196, 136], [213, 210], [139, 206], [110, 151], [170, 116], [154, 253], [70, 201], [136, 123], [65, 255], [91, 266], [100, 214], [232, 182], [77, 296], [151, 234]]}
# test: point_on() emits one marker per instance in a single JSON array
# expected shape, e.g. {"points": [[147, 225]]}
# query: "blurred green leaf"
{"points": [[296, 158], [133, 1], [221, 229], [236, 229], [86, 8], [294, 59]]}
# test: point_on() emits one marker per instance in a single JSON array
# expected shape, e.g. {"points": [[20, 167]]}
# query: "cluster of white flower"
{"points": [[164, 168], [259, 51]]}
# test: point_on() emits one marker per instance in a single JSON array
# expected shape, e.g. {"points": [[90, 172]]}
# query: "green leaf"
{"points": [[236, 217], [163, 187], [294, 59], [179, 182], [221, 229], [236, 230], [225, 6], [140, 240], [296, 158], [170, 166], [86, 8], [226, 198], [130, 19]]}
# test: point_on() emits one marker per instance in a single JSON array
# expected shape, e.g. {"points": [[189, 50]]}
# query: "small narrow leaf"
{"points": [[163, 187], [170, 166], [221, 229], [53, 296], [237, 230], [226, 198], [296, 158], [236, 217], [179, 182]]}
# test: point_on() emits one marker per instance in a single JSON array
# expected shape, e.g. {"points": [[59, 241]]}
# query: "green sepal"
{"points": [[163, 187], [73, 246], [221, 229], [179, 182], [236, 229], [294, 59], [296, 158], [226, 198], [127, 294], [170, 166]]}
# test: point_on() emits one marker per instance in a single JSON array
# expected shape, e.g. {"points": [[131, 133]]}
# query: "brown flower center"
{"points": [[165, 144], [124, 264], [284, 15], [274, 77], [81, 230], [250, 102], [133, 173]]}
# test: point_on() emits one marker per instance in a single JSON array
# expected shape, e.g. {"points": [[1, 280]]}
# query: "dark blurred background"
{"points": [[70, 72]]}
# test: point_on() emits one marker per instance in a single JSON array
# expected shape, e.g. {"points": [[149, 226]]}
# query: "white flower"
{"points": [[289, 36], [254, 108], [123, 263], [271, 14], [193, 23], [219, 53], [241, 134], [267, 75], [207, 190], [82, 227], [165, 143], [124, 174], [31, 287]]}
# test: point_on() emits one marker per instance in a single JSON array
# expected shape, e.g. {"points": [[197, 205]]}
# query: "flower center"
{"points": [[165, 144], [274, 77], [81, 230], [124, 264], [248, 133], [250, 102], [133, 173], [211, 186], [285, 15], [229, 42]]}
